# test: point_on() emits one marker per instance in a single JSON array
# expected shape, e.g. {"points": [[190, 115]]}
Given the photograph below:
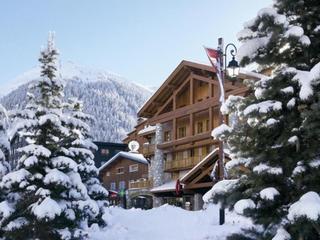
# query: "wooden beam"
{"points": [[188, 140], [191, 123], [174, 129], [191, 90], [169, 147], [164, 106], [203, 174], [210, 119], [213, 81], [171, 86], [197, 107], [199, 185], [180, 112], [210, 90], [176, 92]]}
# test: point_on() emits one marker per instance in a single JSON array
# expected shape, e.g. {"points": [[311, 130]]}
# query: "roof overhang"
{"points": [[177, 77], [208, 161], [136, 157], [180, 73]]}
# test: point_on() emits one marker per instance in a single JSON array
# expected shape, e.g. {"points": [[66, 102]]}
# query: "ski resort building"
{"points": [[123, 171], [174, 132]]}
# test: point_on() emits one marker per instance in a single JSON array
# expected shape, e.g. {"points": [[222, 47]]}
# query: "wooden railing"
{"points": [[140, 184], [148, 149], [179, 164]]}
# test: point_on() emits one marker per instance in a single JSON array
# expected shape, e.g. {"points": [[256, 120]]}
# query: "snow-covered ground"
{"points": [[168, 223]]}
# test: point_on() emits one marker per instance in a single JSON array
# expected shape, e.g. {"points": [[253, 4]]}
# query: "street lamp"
{"points": [[218, 59], [233, 68], [232, 71]]}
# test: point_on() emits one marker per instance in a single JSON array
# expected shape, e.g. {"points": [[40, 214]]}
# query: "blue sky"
{"points": [[142, 40]]}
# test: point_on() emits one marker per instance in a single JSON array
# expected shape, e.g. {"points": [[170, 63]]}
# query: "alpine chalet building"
{"points": [[174, 131]]}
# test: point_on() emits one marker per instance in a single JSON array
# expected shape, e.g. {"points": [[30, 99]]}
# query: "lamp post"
{"points": [[232, 70]]}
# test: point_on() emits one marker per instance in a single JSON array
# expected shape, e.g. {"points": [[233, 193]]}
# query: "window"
{"points": [[104, 151], [182, 132], [108, 174], [113, 186], [120, 170], [199, 127], [207, 125], [167, 136], [133, 168], [122, 185]]}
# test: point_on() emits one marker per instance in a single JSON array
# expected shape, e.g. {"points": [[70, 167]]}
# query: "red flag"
{"points": [[215, 57]]}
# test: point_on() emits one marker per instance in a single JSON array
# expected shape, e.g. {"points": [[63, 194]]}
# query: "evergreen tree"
{"points": [[4, 164], [81, 146], [45, 192], [277, 134]]}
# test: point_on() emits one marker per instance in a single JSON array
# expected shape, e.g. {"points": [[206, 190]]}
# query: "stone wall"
{"points": [[157, 165]]}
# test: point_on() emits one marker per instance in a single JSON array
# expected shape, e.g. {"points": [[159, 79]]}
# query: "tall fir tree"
{"points": [[277, 134], [80, 146], [45, 194], [4, 164]]}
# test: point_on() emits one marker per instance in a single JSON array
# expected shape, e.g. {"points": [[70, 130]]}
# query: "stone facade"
{"points": [[157, 164]]}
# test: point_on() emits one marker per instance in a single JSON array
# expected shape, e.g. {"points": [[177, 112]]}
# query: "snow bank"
{"points": [[168, 223]]}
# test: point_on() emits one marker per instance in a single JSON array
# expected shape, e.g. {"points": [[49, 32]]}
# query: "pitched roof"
{"points": [[175, 78], [137, 157], [212, 156], [147, 130]]}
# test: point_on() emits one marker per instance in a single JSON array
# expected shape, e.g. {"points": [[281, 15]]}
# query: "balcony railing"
{"points": [[140, 184], [179, 164], [148, 149]]}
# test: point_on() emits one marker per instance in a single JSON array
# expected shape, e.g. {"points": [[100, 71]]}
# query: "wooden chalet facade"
{"points": [[175, 133], [121, 172]]}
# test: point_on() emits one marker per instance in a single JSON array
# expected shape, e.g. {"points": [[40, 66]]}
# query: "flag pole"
{"points": [[221, 121]]}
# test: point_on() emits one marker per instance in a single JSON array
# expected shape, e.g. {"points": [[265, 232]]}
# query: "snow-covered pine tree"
{"points": [[4, 164], [44, 192], [80, 146], [304, 214], [275, 136]]}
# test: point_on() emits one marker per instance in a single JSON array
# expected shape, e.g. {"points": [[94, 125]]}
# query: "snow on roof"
{"points": [[137, 157], [148, 129], [211, 154], [168, 186]]}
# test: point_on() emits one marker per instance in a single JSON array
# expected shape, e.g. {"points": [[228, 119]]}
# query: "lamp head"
{"points": [[233, 68]]}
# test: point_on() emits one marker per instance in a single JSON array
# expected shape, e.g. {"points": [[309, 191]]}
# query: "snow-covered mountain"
{"points": [[111, 99]]}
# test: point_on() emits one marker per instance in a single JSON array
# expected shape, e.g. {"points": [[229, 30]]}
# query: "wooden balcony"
{"points": [[187, 139], [148, 149], [140, 184], [182, 164]]}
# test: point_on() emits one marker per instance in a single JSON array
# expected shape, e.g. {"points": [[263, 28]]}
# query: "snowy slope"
{"points": [[111, 99]]}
